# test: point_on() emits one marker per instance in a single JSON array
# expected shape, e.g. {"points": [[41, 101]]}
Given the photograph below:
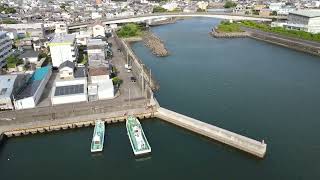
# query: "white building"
{"points": [[82, 37], [5, 48], [34, 30], [71, 84], [9, 86], [63, 48], [305, 20], [98, 30], [61, 28], [29, 95], [100, 86], [276, 6], [170, 6], [96, 15]]}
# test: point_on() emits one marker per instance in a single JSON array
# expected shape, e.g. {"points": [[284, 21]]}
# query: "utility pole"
{"points": [[129, 98], [142, 80]]}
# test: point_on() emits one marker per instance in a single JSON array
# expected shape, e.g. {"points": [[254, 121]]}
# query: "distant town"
{"points": [[47, 58]]}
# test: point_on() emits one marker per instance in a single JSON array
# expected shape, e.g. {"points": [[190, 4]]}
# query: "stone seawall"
{"points": [[155, 44], [296, 45], [289, 42]]}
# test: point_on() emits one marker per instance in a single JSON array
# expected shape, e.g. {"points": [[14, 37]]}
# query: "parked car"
{"points": [[133, 79]]}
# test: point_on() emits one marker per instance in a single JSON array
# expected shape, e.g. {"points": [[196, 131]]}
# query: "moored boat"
{"points": [[98, 136], [138, 140]]}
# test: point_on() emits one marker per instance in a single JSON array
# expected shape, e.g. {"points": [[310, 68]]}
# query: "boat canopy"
{"points": [[96, 138]]}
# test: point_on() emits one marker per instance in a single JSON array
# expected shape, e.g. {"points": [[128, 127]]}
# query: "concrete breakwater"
{"points": [[232, 139], [155, 44]]}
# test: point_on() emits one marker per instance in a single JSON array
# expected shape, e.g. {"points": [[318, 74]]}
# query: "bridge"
{"points": [[150, 17]]}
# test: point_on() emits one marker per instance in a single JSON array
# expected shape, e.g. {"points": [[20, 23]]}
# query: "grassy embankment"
{"points": [[130, 30], [282, 31], [227, 27]]}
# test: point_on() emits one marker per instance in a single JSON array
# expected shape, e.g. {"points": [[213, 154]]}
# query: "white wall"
{"points": [[68, 99], [6, 103], [105, 93], [25, 103], [98, 31], [314, 25]]}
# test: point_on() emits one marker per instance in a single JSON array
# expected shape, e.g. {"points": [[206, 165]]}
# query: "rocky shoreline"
{"points": [[155, 44]]}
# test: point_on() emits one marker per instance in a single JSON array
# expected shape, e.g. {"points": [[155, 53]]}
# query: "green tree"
{"points": [[13, 61], [273, 13], [129, 30], [117, 81], [200, 10], [230, 4], [7, 10], [159, 9], [9, 21]]}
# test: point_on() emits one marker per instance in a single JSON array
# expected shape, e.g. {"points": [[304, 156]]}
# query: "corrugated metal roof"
{"points": [[311, 13]]}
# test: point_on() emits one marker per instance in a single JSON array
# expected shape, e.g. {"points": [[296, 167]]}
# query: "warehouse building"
{"points": [[9, 87], [100, 86], [304, 20], [30, 94], [70, 85]]}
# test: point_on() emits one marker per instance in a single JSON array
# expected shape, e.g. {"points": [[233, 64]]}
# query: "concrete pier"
{"points": [[232, 139]]}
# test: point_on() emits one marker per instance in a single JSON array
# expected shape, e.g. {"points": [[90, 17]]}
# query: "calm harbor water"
{"points": [[250, 87]]}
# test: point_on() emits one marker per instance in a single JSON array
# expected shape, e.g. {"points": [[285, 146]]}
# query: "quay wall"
{"points": [[285, 41], [70, 123], [235, 140], [292, 44]]}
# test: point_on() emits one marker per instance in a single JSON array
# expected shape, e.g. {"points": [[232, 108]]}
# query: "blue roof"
{"points": [[40, 73]]}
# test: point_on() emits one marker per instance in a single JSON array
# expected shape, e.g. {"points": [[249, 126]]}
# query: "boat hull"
{"points": [[137, 138], [98, 137]]}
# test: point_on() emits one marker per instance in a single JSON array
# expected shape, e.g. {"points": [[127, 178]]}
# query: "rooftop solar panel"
{"points": [[67, 90]]}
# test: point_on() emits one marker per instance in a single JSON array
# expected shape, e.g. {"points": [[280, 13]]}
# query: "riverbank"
{"points": [[306, 46], [155, 44]]}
